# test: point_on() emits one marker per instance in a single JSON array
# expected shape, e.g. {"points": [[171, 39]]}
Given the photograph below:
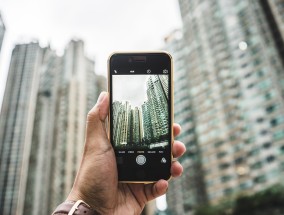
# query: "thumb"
{"points": [[100, 110], [96, 129]]}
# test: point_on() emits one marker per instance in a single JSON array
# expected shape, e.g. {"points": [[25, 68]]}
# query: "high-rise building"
{"points": [[236, 82], [148, 131], [122, 122], [137, 126], [157, 97], [38, 188], [116, 106], [2, 31], [16, 125]]}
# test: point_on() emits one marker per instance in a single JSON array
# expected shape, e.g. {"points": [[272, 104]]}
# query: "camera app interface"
{"points": [[140, 117]]}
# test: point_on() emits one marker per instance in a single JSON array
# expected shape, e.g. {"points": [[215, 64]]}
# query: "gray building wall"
{"points": [[38, 192], [16, 125]]}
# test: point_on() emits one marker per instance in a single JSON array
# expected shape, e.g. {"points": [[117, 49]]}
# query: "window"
{"points": [[278, 135], [263, 132], [257, 61], [273, 122], [238, 147], [242, 55], [260, 120], [256, 165], [276, 121], [239, 160], [250, 86], [217, 144], [282, 166], [248, 75], [250, 140], [233, 137], [224, 166], [228, 191], [245, 185], [271, 108], [260, 179], [270, 159], [226, 178], [221, 154], [269, 95], [266, 145], [260, 73], [282, 149]]}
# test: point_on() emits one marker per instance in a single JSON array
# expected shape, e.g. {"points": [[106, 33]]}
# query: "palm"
{"points": [[131, 198]]}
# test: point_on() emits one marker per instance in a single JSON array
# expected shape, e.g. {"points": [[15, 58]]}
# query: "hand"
{"points": [[96, 182]]}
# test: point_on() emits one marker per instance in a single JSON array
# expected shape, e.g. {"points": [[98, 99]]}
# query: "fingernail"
{"points": [[101, 97]]}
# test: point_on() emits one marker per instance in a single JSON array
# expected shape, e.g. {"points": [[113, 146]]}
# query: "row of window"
{"points": [[248, 184], [257, 165]]}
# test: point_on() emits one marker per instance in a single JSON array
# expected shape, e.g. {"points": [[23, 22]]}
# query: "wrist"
{"points": [[74, 208], [76, 195]]}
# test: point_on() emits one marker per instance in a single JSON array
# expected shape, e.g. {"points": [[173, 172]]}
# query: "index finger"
{"points": [[177, 129]]}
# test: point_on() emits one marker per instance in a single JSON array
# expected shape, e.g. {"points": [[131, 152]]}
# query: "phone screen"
{"points": [[140, 115]]}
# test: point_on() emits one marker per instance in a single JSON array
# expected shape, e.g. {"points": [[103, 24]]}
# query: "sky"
{"points": [[134, 89], [105, 26]]}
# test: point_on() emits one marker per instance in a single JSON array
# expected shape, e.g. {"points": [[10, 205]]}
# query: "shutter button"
{"points": [[140, 159]]}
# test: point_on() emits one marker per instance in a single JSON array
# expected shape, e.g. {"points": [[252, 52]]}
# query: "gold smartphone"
{"points": [[141, 115]]}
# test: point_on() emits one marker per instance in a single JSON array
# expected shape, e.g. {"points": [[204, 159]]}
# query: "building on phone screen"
{"points": [[145, 126]]}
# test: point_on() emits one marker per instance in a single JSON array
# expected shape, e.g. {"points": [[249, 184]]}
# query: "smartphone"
{"points": [[141, 115]]}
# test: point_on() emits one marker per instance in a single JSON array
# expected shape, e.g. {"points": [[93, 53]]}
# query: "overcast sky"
{"points": [[105, 26], [134, 89]]}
